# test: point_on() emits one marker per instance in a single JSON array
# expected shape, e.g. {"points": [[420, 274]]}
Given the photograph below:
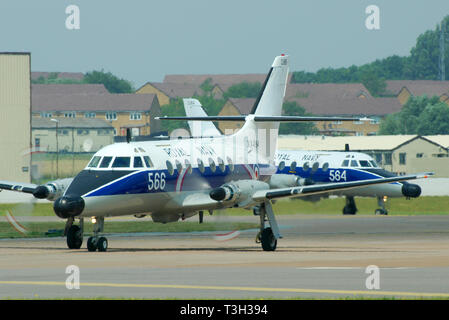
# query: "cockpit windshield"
{"points": [[94, 162], [374, 163], [105, 162], [365, 164], [121, 162]]}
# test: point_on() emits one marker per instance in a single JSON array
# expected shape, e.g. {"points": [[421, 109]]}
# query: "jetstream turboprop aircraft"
{"points": [[176, 179], [311, 167]]}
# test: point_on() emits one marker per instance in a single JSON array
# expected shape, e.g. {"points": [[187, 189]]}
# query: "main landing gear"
{"points": [[267, 236], [350, 207], [74, 235], [95, 242], [381, 201]]}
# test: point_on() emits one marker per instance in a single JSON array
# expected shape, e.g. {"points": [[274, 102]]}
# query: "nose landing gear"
{"points": [[74, 233]]}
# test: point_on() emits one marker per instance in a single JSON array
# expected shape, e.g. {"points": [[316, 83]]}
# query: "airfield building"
{"points": [[15, 116]]}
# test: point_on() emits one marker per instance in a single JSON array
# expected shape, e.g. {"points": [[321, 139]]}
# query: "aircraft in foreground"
{"points": [[176, 179], [312, 167]]}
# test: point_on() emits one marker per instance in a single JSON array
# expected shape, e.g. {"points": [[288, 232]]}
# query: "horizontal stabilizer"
{"points": [[266, 118]]}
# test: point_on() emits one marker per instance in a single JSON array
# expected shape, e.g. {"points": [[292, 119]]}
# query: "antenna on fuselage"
{"points": [[128, 135], [346, 147]]}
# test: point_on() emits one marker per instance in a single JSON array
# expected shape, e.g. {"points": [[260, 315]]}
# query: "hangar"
{"points": [[15, 116]]}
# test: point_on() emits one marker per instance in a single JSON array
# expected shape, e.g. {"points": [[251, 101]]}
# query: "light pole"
{"points": [[57, 148]]}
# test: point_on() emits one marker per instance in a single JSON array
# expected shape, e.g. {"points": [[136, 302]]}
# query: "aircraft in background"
{"points": [[177, 179], [311, 167]]}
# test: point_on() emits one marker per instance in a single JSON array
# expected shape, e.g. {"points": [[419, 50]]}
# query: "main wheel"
{"points": [[74, 237], [348, 210], [91, 245], [268, 240], [102, 244], [381, 212]]}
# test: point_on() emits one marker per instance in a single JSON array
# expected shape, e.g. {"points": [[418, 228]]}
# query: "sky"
{"points": [[143, 40]]}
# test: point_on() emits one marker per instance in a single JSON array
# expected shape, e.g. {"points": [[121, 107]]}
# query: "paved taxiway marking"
{"points": [[289, 290]]}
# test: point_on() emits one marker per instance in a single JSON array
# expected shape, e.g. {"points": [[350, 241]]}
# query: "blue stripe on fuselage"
{"points": [[333, 174], [139, 181]]}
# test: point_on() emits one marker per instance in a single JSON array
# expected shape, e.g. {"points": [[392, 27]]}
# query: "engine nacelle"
{"points": [[287, 181], [52, 190], [239, 192]]}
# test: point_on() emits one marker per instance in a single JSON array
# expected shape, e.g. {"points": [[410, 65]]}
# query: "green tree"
{"points": [[434, 120], [420, 115], [291, 108], [422, 63], [174, 109], [112, 83]]}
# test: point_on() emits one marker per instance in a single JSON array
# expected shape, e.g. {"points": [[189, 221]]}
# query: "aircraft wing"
{"points": [[325, 188], [18, 186]]}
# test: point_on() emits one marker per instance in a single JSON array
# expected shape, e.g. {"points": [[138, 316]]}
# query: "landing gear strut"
{"points": [[350, 207], [74, 233], [267, 236], [381, 201], [95, 242]]}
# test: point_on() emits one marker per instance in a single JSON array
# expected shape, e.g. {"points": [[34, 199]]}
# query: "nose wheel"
{"points": [[96, 242], [74, 234]]}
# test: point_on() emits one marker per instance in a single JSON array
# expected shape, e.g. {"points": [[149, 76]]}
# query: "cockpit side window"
{"points": [[354, 163], [138, 163], [345, 163], [365, 164], [373, 163], [105, 162], [122, 162], [148, 161], [94, 162]]}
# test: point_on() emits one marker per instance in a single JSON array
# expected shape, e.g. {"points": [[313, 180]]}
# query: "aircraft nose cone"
{"points": [[411, 190], [68, 206]]}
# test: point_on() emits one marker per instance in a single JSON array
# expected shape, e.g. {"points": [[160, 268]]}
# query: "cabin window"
{"points": [[354, 163], [345, 163], [178, 166], [94, 162], [221, 164], [170, 168], [293, 166], [148, 161], [230, 164], [365, 164], [281, 165], [305, 166], [121, 162], [212, 165], [325, 166], [200, 165], [373, 163], [188, 166], [138, 163], [315, 166], [105, 162]]}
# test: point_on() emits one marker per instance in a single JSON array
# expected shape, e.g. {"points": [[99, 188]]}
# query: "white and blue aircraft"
{"points": [[176, 179], [311, 167]]}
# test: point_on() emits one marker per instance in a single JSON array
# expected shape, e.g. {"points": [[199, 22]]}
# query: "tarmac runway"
{"points": [[319, 257]]}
